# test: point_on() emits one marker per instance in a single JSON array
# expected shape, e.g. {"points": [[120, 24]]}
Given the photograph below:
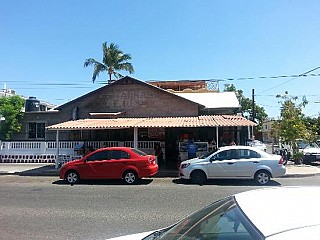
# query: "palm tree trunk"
{"points": [[109, 78]]}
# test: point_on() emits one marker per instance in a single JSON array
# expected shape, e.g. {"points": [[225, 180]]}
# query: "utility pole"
{"points": [[253, 108]]}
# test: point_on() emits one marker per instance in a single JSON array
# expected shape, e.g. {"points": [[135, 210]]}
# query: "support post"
{"points": [[57, 150], [252, 137], [135, 137], [217, 136]]}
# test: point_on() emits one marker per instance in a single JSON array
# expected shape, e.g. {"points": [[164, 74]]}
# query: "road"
{"points": [[47, 208]]}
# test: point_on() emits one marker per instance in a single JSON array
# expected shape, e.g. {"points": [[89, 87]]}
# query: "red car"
{"points": [[125, 163]]}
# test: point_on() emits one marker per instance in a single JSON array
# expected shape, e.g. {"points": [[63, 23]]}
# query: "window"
{"points": [[99, 156], [246, 154], [226, 155], [36, 130], [108, 155], [221, 220], [139, 152], [115, 154]]}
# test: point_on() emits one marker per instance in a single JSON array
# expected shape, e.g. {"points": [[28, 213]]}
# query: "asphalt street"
{"points": [[43, 207]]}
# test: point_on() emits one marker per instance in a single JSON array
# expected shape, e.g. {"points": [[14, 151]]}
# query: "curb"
{"points": [[161, 174], [158, 175], [299, 175]]}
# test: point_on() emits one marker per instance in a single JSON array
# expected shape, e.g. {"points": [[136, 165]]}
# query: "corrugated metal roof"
{"points": [[200, 121]]}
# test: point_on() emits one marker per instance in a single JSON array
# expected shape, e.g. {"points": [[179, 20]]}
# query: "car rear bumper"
{"points": [[279, 172], [148, 171], [311, 157]]}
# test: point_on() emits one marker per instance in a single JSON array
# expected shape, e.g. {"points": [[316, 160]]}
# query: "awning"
{"points": [[199, 121]]}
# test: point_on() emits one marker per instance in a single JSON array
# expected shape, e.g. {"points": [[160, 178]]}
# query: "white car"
{"points": [[311, 151], [267, 213], [234, 162], [257, 144]]}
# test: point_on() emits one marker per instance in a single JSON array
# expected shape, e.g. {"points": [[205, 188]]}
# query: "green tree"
{"points": [[246, 106], [292, 124], [313, 124], [11, 110], [113, 60]]}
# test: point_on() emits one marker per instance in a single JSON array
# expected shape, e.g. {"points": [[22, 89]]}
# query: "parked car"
{"points": [[252, 215], [311, 151], [257, 144], [125, 163], [241, 162]]}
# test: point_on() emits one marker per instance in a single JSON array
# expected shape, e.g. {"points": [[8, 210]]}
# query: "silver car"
{"points": [[234, 162]]}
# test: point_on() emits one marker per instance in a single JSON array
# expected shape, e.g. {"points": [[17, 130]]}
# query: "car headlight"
{"points": [[185, 165]]}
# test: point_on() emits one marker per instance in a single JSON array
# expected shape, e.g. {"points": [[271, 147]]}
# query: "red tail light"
{"points": [[281, 161], [151, 160]]}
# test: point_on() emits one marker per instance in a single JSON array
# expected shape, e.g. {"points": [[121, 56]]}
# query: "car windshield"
{"points": [[139, 152], [205, 155], [303, 145], [220, 220]]}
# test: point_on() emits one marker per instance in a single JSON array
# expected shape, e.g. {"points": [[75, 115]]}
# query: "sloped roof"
{"points": [[212, 99], [200, 121], [119, 81]]}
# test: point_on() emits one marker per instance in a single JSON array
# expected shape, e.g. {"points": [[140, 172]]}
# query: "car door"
{"points": [[118, 161], [96, 165], [222, 164], [248, 161]]}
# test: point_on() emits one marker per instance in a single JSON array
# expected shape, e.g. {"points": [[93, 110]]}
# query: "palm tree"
{"points": [[113, 59]]}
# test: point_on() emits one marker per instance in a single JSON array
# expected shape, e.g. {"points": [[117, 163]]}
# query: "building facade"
{"points": [[129, 111]]}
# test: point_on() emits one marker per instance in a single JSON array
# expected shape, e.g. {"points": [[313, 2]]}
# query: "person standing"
{"points": [[192, 149], [159, 154]]}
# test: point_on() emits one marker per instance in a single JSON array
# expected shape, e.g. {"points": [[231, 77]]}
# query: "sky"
{"points": [[44, 43]]}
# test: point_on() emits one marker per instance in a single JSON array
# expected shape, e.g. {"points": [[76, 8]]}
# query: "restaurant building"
{"points": [[134, 113]]}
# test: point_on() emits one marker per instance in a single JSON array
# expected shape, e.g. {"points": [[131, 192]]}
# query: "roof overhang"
{"points": [[199, 121]]}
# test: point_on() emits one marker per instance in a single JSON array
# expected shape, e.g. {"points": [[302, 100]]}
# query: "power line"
{"points": [[212, 79], [293, 77], [265, 77]]}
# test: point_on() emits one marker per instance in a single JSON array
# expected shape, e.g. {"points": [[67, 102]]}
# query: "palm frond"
{"points": [[117, 75], [98, 68], [124, 57], [89, 62], [126, 66]]}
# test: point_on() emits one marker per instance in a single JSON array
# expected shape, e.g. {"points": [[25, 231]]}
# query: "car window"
{"points": [[226, 155], [119, 154], [247, 153], [139, 152], [221, 220], [254, 154], [99, 156]]}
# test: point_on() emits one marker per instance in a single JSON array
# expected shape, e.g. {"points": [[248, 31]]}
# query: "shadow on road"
{"points": [[40, 171], [102, 182], [226, 182]]}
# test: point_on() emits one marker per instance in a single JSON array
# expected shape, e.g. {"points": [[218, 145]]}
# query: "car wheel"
{"points": [[130, 177], [198, 177], [262, 177], [72, 177]]}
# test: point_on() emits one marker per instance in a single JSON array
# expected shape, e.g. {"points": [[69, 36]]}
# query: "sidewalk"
{"points": [[301, 170], [35, 169]]}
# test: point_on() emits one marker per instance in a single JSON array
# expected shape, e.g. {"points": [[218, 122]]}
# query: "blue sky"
{"points": [[43, 45]]}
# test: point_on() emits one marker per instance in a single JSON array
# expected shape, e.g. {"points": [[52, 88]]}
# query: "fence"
{"points": [[46, 152]]}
